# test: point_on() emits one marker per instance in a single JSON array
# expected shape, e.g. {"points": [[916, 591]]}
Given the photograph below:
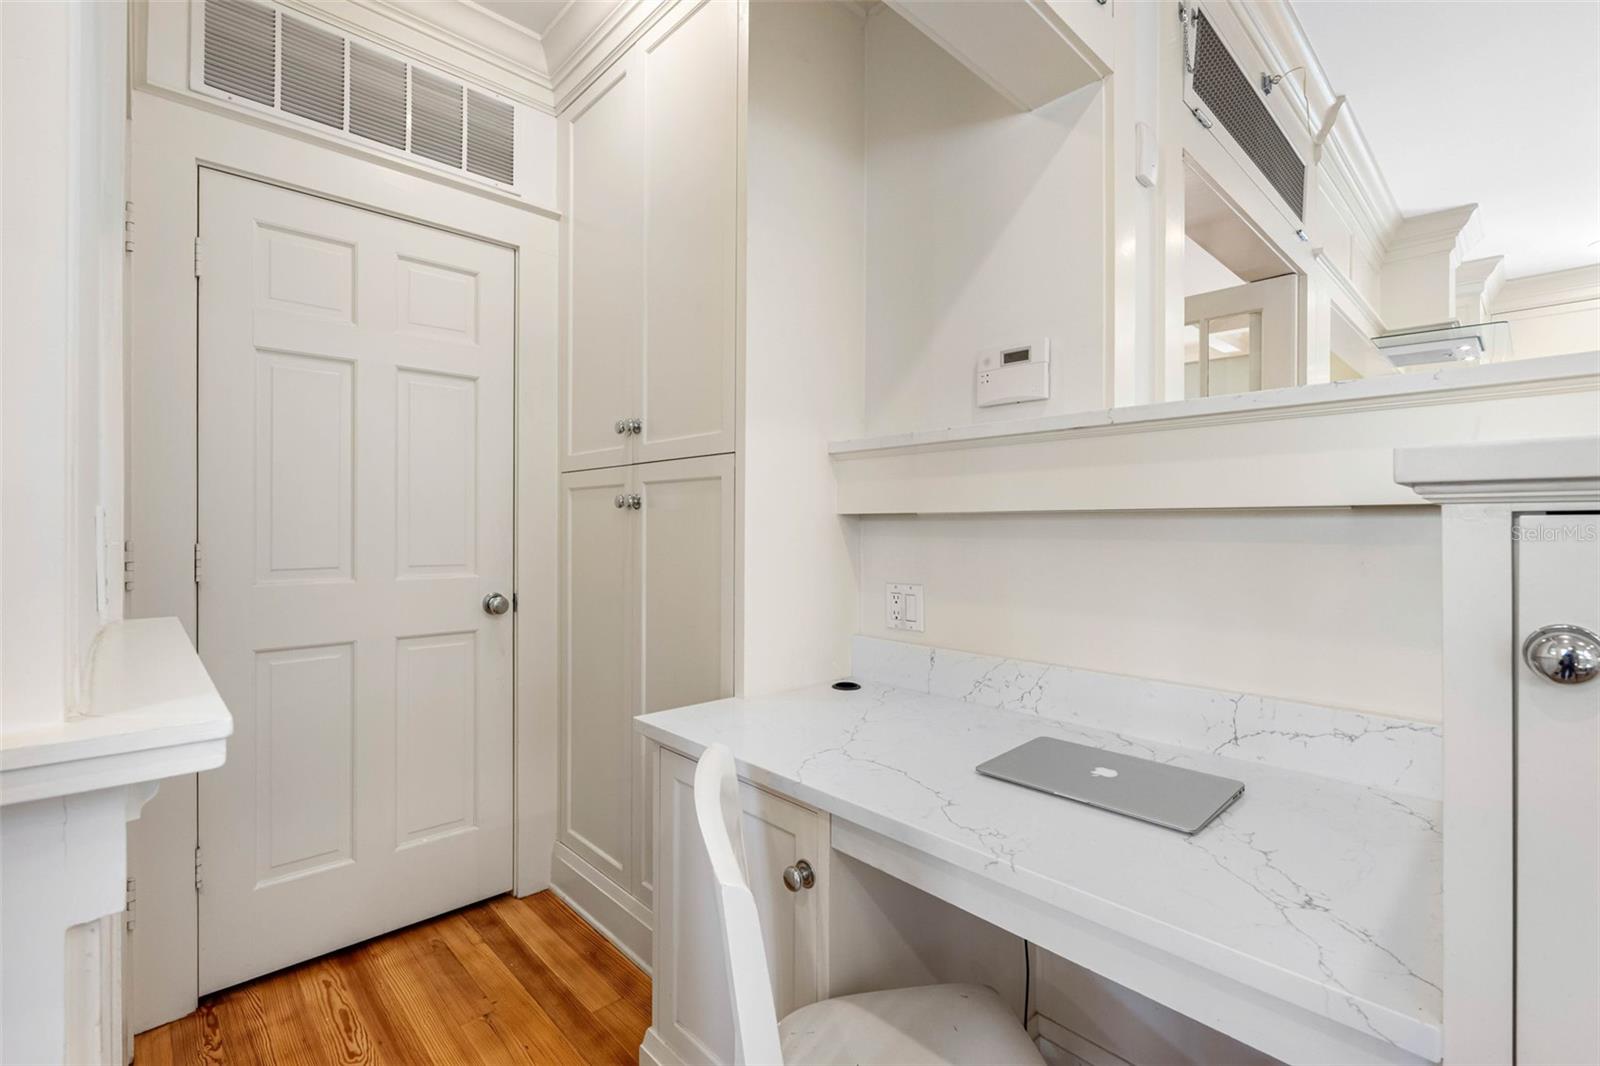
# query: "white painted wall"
{"points": [[803, 373], [61, 195], [984, 227], [1333, 607]]}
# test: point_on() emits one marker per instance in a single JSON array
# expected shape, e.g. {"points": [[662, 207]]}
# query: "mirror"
{"points": [[1420, 190]]}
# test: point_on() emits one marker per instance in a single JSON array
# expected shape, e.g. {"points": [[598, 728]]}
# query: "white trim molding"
{"points": [[1481, 489]]}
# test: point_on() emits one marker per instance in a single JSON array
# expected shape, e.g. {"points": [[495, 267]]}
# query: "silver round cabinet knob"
{"points": [[799, 876], [494, 603], [1567, 655], [621, 426]]}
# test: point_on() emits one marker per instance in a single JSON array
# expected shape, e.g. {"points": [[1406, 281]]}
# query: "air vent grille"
{"points": [[377, 97], [313, 73], [1232, 98], [490, 137], [435, 118], [256, 53], [241, 39]]}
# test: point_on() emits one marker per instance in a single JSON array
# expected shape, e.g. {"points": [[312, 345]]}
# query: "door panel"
{"points": [[1268, 344], [355, 417], [684, 548], [692, 1006], [1558, 801], [604, 242], [597, 626], [686, 375]]}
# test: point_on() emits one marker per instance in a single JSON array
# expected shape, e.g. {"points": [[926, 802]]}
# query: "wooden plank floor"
{"points": [[506, 981]]}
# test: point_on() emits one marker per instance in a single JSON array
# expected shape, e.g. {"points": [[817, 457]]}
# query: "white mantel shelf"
{"points": [[1315, 446], [152, 713]]}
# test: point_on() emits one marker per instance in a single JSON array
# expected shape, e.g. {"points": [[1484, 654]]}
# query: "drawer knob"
{"points": [[1566, 654], [799, 876]]}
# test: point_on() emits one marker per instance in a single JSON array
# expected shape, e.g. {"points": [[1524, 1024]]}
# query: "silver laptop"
{"points": [[1169, 796]]}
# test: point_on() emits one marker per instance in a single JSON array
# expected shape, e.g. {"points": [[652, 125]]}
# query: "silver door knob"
{"points": [[799, 876], [620, 500], [621, 426], [1565, 654], [636, 426], [494, 603], [635, 501]]}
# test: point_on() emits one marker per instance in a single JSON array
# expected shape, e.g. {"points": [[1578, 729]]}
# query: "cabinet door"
{"points": [[684, 563], [1558, 801], [602, 177], [692, 1010], [688, 67], [597, 613]]}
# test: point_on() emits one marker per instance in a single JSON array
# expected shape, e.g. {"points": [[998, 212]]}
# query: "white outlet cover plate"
{"points": [[905, 607]]}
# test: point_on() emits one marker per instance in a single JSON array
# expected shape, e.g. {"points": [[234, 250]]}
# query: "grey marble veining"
{"points": [[1365, 749], [1319, 893]]}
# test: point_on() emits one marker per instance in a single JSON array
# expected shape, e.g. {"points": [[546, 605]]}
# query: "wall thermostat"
{"points": [[1015, 374]]}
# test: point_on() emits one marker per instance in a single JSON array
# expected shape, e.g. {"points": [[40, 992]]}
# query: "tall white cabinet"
{"points": [[649, 174]]}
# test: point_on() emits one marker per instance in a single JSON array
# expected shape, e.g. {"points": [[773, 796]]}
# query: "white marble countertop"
{"points": [[151, 712], [1318, 892]]}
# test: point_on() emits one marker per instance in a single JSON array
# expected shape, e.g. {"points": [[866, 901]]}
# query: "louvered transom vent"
{"points": [[258, 53], [490, 137], [241, 42], [1232, 97], [436, 118], [313, 73], [377, 97]]}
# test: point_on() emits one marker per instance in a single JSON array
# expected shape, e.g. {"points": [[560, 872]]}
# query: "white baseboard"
{"points": [[655, 1052], [622, 919]]}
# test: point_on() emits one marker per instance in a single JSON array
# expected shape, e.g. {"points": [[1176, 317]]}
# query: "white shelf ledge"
{"points": [[152, 713], [1314, 446]]}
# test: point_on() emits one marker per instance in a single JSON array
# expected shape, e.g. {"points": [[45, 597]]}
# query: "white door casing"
{"points": [[355, 508], [1273, 342], [1558, 800]]}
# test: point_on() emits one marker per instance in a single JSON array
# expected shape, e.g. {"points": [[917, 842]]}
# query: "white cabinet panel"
{"points": [[650, 172], [647, 619], [691, 1008], [1558, 801], [597, 628], [685, 392], [684, 567], [603, 172]]}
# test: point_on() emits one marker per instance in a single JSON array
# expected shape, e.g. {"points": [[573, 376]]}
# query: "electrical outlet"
{"points": [[905, 607]]}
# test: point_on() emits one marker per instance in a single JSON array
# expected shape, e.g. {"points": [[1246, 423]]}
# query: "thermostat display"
{"points": [[1014, 374]]}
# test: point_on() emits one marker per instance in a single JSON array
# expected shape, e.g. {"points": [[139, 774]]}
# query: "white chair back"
{"points": [[716, 808]]}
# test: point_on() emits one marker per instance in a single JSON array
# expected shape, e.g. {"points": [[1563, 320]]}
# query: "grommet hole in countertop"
{"points": [[846, 686]]}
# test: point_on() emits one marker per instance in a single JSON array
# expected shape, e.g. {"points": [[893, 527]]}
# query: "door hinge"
{"points": [[199, 870], [127, 225], [133, 901], [198, 567], [199, 257], [127, 566]]}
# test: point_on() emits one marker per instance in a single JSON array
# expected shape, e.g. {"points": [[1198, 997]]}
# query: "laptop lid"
{"points": [[1169, 796]]}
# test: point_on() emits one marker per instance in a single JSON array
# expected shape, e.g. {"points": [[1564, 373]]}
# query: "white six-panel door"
{"points": [[355, 483]]}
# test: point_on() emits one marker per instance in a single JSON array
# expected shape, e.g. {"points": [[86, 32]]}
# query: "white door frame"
{"points": [[171, 142]]}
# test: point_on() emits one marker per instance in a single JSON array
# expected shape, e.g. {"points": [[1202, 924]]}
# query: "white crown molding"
{"points": [[594, 37], [1454, 229], [1574, 285], [459, 38], [1282, 41]]}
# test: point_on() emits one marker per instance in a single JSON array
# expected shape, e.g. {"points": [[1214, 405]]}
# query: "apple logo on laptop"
{"points": [[1102, 771]]}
